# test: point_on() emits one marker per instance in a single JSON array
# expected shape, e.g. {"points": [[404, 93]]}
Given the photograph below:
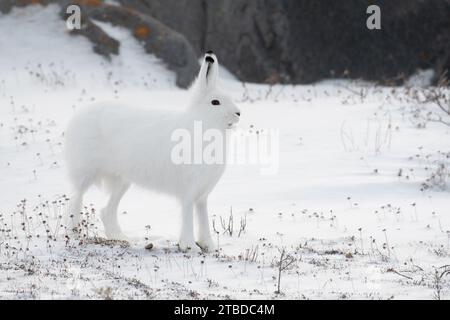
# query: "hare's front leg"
{"points": [[73, 216], [187, 241], [205, 240], [109, 213]]}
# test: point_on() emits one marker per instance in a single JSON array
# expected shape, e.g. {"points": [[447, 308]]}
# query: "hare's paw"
{"points": [[188, 245], [117, 236], [112, 228], [115, 233], [207, 245]]}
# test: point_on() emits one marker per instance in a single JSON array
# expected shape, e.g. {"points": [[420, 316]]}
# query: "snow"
{"points": [[355, 227]]}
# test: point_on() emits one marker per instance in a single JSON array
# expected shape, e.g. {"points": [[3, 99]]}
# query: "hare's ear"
{"points": [[209, 72]]}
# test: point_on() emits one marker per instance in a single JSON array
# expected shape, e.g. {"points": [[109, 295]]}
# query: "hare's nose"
{"points": [[238, 114]]}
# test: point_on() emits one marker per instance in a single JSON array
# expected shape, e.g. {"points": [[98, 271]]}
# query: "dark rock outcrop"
{"points": [[273, 41], [158, 39], [7, 5], [102, 43], [301, 41], [331, 38], [249, 37]]}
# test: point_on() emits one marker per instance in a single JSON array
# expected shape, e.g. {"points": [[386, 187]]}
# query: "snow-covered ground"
{"points": [[346, 205]]}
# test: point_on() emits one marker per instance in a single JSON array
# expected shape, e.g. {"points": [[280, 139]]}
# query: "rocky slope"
{"points": [[271, 41]]}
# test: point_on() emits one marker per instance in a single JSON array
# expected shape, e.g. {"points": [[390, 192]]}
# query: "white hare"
{"points": [[118, 145]]}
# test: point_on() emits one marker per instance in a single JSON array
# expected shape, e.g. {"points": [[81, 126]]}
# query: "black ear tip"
{"points": [[209, 52], [209, 59]]}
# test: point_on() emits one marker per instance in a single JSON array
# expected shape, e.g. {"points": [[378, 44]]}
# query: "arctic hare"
{"points": [[118, 145]]}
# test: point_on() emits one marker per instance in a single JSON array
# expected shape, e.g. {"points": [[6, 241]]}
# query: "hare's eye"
{"points": [[215, 102]]}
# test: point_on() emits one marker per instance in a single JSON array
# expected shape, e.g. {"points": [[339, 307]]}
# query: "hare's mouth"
{"points": [[233, 122]]}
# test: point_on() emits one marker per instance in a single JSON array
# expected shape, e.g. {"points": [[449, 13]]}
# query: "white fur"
{"points": [[118, 145]]}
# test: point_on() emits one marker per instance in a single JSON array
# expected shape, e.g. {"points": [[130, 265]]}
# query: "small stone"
{"points": [[149, 246]]}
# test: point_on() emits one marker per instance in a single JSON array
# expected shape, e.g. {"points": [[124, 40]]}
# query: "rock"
{"points": [[7, 5], [103, 44], [158, 39], [331, 38], [247, 36], [188, 17], [302, 41], [272, 41]]}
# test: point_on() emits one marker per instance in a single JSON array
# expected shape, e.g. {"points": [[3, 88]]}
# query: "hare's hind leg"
{"points": [[117, 189], [205, 240], [73, 215]]}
